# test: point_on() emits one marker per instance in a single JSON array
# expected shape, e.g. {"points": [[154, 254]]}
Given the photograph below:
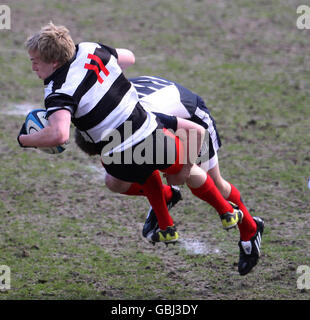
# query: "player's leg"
{"points": [[202, 186], [119, 186], [251, 228], [153, 189], [172, 147], [166, 142], [150, 183], [132, 188], [247, 227], [212, 168], [134, 179], [172, 196]]}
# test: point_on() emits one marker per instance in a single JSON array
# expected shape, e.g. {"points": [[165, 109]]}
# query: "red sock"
{"points": [[154, 190], [168, 192], [136, 189], [248, 226], [209, 193]]}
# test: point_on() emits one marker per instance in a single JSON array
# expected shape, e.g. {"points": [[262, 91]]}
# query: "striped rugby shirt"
{"points": [[163, 96], [99, 97]]}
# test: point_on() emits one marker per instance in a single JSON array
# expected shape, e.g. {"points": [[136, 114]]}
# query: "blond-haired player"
{"points": [[85, 85]]}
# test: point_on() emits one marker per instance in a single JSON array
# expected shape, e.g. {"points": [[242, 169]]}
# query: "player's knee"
{"points": [[115, 185], [223, 186]]}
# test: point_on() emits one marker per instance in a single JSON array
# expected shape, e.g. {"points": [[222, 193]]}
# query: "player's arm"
{"points": [[55, 134], [126, 58], [191, 133], [192, 136]]}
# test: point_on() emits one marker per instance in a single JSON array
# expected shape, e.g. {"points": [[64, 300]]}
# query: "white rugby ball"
{"points": [[36, 121]]}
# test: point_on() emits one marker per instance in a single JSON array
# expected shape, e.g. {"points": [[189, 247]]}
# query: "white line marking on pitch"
{"points": [[20, 109], [193, 246]]}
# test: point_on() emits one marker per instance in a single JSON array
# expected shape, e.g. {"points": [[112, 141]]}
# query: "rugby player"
{"points": [[85, 85], [162, 96]]}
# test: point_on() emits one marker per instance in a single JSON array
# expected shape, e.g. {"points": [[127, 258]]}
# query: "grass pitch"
{"points": [[65, 236]]}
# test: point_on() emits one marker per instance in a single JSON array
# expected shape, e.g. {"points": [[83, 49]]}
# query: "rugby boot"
{"points": [[170, 235], [150, 223], [231, 219], [250, 250]]}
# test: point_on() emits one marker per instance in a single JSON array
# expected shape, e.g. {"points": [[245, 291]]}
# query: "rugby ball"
{"points": [[36, 121]]}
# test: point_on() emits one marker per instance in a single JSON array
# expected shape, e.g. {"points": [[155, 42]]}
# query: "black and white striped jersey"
{"points": [[99, 97], [164, 96]]}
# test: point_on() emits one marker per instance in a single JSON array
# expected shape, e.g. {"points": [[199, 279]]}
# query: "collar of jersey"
{"points": [[60, 69]]}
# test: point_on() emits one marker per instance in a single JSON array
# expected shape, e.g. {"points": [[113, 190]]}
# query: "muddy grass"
{"points": [[65, 236]]}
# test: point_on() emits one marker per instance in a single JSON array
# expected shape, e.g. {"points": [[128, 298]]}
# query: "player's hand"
{"points": [[22, 131]]}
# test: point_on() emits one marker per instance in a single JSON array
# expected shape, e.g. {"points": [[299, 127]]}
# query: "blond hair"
{"points": [[53, 43]]}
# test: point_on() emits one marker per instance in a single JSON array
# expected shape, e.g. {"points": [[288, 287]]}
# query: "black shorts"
{"points": [[166, 154]]}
